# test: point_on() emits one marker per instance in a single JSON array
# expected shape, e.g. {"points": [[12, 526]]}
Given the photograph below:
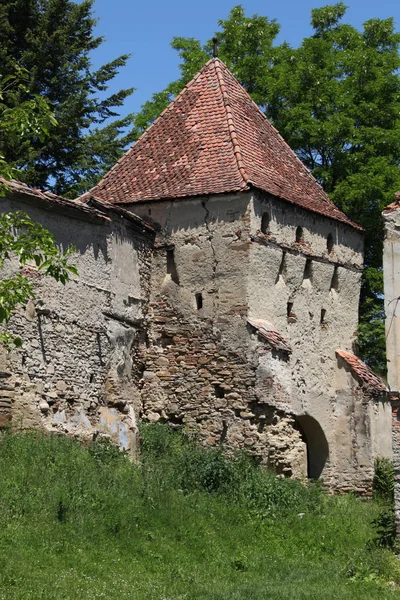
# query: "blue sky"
{"points": [[144, 29]]}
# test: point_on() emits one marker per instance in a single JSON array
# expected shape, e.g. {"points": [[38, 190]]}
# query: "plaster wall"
{"points": [[391, 275], [74, 372], [391, 271], [209, 370], [310, 293]]}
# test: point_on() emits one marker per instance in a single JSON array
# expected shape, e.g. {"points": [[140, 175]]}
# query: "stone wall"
{"points": [[391, 272], [226, 323], [74, 372], [206, 367]]}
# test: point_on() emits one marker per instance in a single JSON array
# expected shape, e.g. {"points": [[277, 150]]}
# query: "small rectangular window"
{"points": [[199, 301]]}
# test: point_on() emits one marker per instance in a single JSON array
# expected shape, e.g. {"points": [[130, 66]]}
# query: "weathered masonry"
{"points": [[74, 372], [391, 272], [254, 290], [236, 318]]}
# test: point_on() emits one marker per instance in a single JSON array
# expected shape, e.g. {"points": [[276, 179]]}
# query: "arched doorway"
{"points": [[317, 445]]}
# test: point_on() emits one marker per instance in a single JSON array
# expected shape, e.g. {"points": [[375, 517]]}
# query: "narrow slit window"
{"points": [[282, 268], [199, 301], [171, 265], [289, 309], [323, 316], [308, 270], [265, 222], [299, 235], [335, 280], [329, 244]]}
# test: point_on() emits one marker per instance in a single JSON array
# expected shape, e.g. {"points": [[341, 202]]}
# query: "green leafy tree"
{"points": [[336, 101], [23, 241], [53, 41]]}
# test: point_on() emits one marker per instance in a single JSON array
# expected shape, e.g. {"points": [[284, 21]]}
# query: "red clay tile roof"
{"points": [[362, 372], [270, 334], [213, 139], [92, 206]]}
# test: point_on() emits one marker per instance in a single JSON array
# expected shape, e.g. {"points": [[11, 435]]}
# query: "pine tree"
{"points": [[53, 41]]}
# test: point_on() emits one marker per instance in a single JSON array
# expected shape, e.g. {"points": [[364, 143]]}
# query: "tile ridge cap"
{"points": [[231, 127], [144, 134], [308, 174]]}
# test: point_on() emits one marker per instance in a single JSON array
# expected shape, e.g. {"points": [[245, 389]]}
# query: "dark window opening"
{"points": [[299, 235], [265, 221], [335, 280], [323, 316], [308, 269], [171, 265], [329, 243], [199, 301], [149, 211], [219, 391], [289, 308], [91, 378], [282, 268], [166, 340]]}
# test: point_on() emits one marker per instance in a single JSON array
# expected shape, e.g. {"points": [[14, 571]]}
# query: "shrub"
{"points": [[383, 484]]}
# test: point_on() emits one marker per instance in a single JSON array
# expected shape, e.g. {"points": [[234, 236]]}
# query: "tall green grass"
{"points": [[184, 523]]}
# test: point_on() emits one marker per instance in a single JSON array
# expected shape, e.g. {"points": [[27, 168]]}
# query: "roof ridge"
{"points": [[231, 125], [150, 127], [308, 173]]}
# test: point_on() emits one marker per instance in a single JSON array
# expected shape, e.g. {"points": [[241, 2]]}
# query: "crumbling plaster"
{"points": [[220, 252], [391, 269], [162, 328], [74, 372], [391, 273]]}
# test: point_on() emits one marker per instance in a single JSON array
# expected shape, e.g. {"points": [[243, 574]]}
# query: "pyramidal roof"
{"points": [[213, 139]]}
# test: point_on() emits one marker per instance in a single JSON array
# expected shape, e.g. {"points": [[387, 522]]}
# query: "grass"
{"points": [[85, 523]]}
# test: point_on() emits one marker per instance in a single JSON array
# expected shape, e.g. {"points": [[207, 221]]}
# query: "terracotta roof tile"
{"points": [[213, 139], [362, 372], [92, 206], [270, 334]]}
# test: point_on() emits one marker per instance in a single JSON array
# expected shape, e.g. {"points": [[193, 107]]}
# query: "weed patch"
{"points": [[184, 522]]}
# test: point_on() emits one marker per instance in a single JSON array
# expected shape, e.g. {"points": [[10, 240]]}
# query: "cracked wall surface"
{"points": [[226, 322], [391, 273], [208, 369], [74, 372]]}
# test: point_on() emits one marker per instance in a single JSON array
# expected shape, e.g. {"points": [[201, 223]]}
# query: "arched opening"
{"points": [[317, 445], [299, 235]]}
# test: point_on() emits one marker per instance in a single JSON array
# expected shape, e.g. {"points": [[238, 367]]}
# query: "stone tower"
{"points": [[254, 289]]}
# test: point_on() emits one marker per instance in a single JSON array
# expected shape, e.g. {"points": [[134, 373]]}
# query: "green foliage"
{"points": [[197, 469], [385, 527], [384, 481], [24, 241], [86, 522], [383, 486], [336, 101], [25, 122], [53, 41]]}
